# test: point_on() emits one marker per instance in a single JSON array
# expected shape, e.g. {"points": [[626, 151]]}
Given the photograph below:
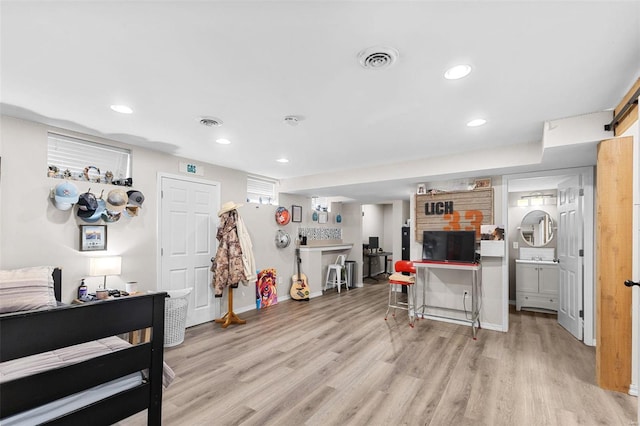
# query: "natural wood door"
{"points": [[613, 265]]}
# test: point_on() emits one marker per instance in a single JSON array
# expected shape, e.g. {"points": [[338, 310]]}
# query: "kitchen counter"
{"points": [[326, 247]]}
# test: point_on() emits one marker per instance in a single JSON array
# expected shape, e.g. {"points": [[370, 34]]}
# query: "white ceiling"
{"points": [[252, 63]]}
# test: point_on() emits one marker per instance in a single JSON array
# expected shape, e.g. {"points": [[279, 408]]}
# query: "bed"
{"points": [[54, 331]]}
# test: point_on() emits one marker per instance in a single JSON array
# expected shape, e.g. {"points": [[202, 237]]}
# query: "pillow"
{"points": [[26, 289]]}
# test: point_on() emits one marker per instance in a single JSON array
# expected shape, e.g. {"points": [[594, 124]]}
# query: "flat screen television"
{"points": [[449, 246]]}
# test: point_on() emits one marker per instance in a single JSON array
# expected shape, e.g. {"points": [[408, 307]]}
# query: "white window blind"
{"points": [[67, 153], [320, 203], [261, 191]]}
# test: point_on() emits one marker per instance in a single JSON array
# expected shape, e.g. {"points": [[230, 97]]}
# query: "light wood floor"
{"points": [[335, 361]]}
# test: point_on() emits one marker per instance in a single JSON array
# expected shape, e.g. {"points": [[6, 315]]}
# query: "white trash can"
{"points": [[175, 316]]}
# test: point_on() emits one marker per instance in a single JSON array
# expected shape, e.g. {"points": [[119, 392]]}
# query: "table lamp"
{"points": [[103, 266]]}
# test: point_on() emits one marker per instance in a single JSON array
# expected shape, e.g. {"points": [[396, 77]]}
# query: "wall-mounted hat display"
{"points": [[96, 215], [65, 195], [87, 204], [131, 211], [117, 200], [136, 198], [110, 216]]}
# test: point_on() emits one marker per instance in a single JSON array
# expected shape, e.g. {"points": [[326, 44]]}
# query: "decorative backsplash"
{"points": [[321, 233]]}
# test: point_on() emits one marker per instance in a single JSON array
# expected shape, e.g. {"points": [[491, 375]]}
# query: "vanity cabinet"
{"points": [[537, 285]]}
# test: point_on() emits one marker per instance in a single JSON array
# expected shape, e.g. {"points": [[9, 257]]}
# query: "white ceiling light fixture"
{"points": [[477, 122], [457, 72], [210, 121], [378, 57], [282, 160], [122, 109], [223, 141]]}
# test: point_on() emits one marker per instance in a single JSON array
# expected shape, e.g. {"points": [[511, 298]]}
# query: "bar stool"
{"points": [[398, 278], [337, 268]]}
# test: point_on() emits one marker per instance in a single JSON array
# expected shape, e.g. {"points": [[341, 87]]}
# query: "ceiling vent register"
{"points": [[377, 58]]}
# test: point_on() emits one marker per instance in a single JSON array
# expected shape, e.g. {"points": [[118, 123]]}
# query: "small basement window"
{"points": [[79, 159], [261, 191]]}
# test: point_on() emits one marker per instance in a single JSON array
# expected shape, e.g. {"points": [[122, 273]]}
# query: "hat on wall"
{"points": [[136, 198], [87, 204], [227, 207], [117, 200], [131, 211], [65, 195], [96, 214], [110, 216]]}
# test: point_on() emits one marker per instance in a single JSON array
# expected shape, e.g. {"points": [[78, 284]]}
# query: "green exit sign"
{"points": [[192, 169]]}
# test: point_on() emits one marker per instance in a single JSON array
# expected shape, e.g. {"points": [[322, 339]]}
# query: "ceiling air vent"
{"points": [[377, 58], [211, 122]]}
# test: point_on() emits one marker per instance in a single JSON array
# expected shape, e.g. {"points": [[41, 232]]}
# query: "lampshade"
{"points": [[105, 266]]}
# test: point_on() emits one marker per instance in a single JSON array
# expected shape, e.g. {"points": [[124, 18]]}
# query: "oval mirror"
{"points": [[537, 228]]}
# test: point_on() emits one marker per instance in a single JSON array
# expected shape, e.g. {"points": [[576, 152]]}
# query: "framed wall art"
{"points": [[323, 217], [93, 237], [296, 213]]}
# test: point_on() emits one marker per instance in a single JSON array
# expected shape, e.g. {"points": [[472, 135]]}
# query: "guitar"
{"points": [[299, 287]]}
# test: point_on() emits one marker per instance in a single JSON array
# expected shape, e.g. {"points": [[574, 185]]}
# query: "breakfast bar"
{"points": [[314, 260]]}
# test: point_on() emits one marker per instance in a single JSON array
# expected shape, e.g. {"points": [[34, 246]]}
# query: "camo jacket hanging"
{"points": [[228, 269]]}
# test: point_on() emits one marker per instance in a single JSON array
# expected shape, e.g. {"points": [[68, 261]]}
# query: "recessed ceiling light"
{"points": [[477, 122], [459, 71], [223, 141], [122, 109], [282, 160]]}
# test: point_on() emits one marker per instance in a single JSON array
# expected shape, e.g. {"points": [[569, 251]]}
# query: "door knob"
{"points": [[630, 283]]}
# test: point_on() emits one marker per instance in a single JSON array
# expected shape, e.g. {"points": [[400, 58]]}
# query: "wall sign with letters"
{"points": [[454, 211]]}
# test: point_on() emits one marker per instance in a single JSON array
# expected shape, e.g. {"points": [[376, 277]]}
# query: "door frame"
{"points": [[588, 215], [159, 178]]}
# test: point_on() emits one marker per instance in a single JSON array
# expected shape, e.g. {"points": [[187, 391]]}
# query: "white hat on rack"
{"points": [[227, 207]]}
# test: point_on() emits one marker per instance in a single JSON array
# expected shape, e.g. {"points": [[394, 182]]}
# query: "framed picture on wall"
{"points": [[296, 213], [93, 237], [482, 183], [323, 217]]}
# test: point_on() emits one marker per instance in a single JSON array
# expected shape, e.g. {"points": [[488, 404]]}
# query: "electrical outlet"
{"points": [[515, 245]]}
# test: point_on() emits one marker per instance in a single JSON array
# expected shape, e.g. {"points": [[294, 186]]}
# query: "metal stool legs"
{"points": [[409, 305]]}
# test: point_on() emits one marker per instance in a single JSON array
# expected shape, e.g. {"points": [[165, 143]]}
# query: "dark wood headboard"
{"points": [[57, 283]]}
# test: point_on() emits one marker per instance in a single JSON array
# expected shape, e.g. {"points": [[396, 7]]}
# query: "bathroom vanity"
{"points": [[537, 284]]}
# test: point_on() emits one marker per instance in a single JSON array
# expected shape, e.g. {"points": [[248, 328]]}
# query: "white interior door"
{"points": [[570, 244], [188, 242]]}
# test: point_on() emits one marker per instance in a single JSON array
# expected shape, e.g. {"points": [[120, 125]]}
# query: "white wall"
{"points": [[34, 232]]}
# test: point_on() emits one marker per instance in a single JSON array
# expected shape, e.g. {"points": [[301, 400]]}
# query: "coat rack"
{"points": [[230, 317]]}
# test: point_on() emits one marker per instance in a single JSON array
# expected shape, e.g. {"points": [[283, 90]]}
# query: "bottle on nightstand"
{"points": [[82, 290]]}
